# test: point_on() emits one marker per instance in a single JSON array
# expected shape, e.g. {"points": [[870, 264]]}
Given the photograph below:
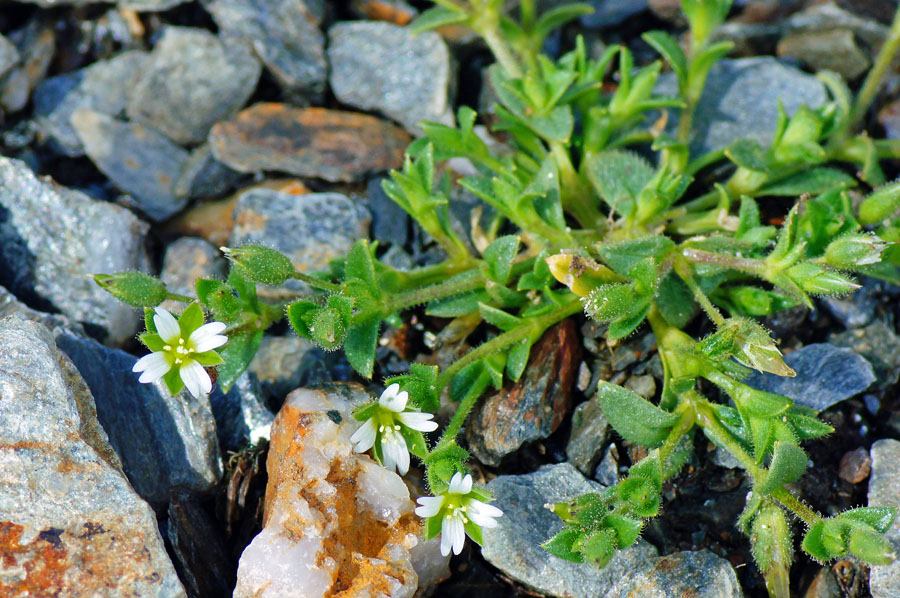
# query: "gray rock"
{"points": [[884, 491], [193, 80], [204, 177], [383, 67], [825, 17], [834, 50], [51, 238], [186, 260], [138, 5], [879, 344], [284, 363], [9, 55], [285, 35], [699, 574], [103, 86], [310, 229], [585, 447], [607, 472], [199, 549], [826, 375], [514, 545], [35, 44], [608, 13], [136, 158], [723, 458], [857, 309], [741, 100], [390, 222], [167, 444], [241, 415], [69, 515], [58, 324]]}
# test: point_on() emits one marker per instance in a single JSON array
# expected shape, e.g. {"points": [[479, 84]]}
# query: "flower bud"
{"points": [[772, 548], [260, 264], [755, 348], [328, 329], [134, 288], [813, 278], [881, 204], [851, 251], [582, 275]]}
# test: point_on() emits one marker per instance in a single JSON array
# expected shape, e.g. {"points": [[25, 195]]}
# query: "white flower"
{"points": [[461, 511], [387, 426], [181, 348]]}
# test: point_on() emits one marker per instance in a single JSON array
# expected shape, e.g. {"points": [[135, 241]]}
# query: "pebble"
{"points": [[9, 55], [284, 363], [589, 427], [285, 36], [311, 229], [137, 5], [191, 81], [35, 44], [741, 100], [609, 13], [607, 472], [397, 12], [855, 466], [532, 408], [880, 345], [186, 260], [514, 545], [136, 158], [825, 17], [884, 491], [382, 67], [826, 375], [699, 574], [855, 310], [70, 523], [390, 222], [824, 585], [835, 50], [204, 177], [311, 142], [103, 86], [335, 522], [9, 305], [52, 237], [167, 444]]}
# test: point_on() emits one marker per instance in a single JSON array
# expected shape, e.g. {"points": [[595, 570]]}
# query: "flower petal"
{"points": [[166, 325], [390, 454], [154, 366], [394, 399], [195, 378], [429, 505], [402, 454], [207, 337], [483, 514], [364, 437], [418, 421], [460, 484], [453, 529]]}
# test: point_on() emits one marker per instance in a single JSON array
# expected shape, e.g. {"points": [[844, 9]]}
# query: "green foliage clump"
{"points": [[582, 221]]}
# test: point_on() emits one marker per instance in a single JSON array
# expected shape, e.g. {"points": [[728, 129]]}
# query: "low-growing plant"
{"points": [[596, 205]]}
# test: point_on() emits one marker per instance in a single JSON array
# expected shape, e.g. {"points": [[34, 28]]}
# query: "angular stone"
{"points": [[833, 50], [192, 81], [335, 522], [136, 158], [137, 5], [204, 177], [199, 549], [313, 142], [284, 34], [242, 416], [284, 363], [167, 444], [827, 16], [857, 309], [9, 56], [514, 545], [35, 44], [397, 12], [826, 375], [186, 260], [57, 324], [70, 523], [103, 86], [741, 100], [607, 472], [608, 13], [390, 222], [51, 238], [879, 344], [533, 407], [383, 67], [310, 229], [699, 574], [884, 491], [585, 447]]}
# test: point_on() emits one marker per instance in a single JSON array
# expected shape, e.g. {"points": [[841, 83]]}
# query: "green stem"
{"points": [[575, 196], [317, 283], [685, 272], [468, 281], [796, 506], [876, 75], [177, 297], [747, 265], [501, 50], [465, 407]]}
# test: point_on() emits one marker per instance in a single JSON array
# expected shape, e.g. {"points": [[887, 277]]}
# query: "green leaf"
{"points": [[627, 529], [788, 465], [641, 494], [299, 314], [881, 204], [517, 359], [619, 176], [675, 301], [190, 319], [871, 547], [561, 545], [457, 305], [813, 543], [436, 17], [557, 17], [806, 426], [499, 257], [466, 379], [749, 154], [360, 265], [219, 298], [360, 344], [236, 356], [624, 326], [635, 418], [809, 182], [669, 49], [599, 547], [499, 318], [152, 341], [622, 256], [878, 518]]}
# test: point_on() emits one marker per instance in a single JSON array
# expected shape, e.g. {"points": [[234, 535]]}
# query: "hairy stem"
{"points": [[317, 283], [875, 77]]}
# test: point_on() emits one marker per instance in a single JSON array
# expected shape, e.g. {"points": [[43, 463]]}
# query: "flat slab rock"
{"points": [[335, 523], [313, 142], [52, 237], [70, 523]]}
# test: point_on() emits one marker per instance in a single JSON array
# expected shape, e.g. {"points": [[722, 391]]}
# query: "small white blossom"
{"points": [[181, 348], [460, 511], [387, 427]]}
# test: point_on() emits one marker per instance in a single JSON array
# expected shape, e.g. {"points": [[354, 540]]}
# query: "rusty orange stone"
{"points": [[333, 145], [379, 10]]}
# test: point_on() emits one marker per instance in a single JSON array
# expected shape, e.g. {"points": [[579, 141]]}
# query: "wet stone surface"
{"points": [[533, 407], [51, 238], [314, 142], [70, 523]]}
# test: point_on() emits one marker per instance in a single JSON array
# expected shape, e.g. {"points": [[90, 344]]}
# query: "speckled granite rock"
{"points": [[70, 523], [334, 520], [186, 260], [51, 238], [191, 81], [57, 324], [9, 56], [884, 491], [35, 45], [699, 574], [284, 363], [383, 67]]}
